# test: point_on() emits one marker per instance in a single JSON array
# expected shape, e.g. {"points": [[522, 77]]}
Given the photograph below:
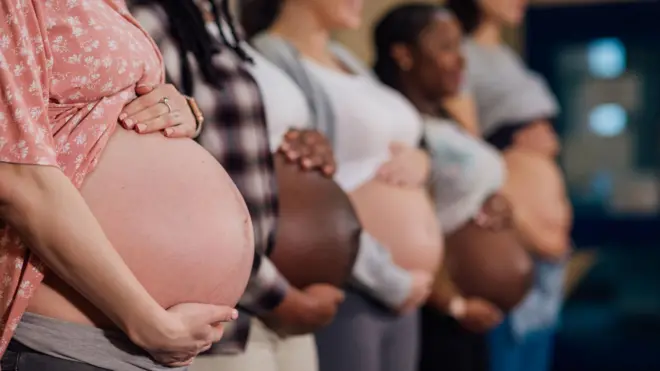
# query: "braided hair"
{"points": [[188, 28], [402, 25]]}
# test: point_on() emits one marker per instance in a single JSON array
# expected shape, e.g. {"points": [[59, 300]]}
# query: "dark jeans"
{"points": [[21, 358], [447, 346]]}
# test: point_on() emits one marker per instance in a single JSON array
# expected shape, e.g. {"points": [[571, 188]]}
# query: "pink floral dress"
{"points": [[67, 68]]}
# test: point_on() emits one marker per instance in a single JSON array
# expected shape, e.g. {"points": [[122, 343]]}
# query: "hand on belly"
{"points": [[175, 217]]}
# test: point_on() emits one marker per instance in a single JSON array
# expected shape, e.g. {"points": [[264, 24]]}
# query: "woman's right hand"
{"points": [[185, 331], [310, 149], [419, 291], [305, 311]]}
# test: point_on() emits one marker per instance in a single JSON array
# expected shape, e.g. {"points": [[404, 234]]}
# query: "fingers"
{"points": [[179, 131], [397, 147], [214, 314], [157, 111], [310, 149], [143, 102], [166, 121], [144, 89]]}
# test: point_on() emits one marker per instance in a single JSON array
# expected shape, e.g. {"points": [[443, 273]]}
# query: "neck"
{"points": [[488, 33], [300, 27], [417, 97]]}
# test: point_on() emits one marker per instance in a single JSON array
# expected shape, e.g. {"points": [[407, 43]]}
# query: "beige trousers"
{"points": [[265, 351]]}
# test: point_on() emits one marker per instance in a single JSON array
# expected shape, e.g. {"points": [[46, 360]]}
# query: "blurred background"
{"points": [[602, 59]]}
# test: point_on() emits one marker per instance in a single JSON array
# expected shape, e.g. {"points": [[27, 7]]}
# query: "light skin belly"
{"points": [[403, 220], [535, 187], [175, 217]]}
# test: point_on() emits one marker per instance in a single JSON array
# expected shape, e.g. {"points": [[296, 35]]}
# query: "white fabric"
{"points": [[266, 351], [466, 171], [284, 103], [368, 117]]}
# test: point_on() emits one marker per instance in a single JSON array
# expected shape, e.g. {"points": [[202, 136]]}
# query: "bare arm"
{"points": [[547, 240], [54, 221], [462, 108]]}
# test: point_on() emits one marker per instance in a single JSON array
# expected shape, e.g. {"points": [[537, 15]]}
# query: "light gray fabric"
{"points": [[363, 337], [465, 172], [375, 272], [507, 92], [110, 350], [504, 90]]}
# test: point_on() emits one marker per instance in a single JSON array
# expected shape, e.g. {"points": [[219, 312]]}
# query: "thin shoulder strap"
{"points": [[288, 58]]}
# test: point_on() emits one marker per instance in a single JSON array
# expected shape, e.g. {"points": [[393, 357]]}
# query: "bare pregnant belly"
{"points": [[175, 217], [403, 220], [535, 187]]}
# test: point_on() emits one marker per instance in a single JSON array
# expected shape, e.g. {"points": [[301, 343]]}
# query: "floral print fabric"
{"points": [[67, 68]]}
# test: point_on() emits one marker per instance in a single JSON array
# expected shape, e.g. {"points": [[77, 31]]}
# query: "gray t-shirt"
{"points": [[504, 89]]}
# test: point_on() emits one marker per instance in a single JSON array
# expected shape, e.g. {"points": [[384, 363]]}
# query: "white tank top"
{"points": [[284, 102], [368, 117]]}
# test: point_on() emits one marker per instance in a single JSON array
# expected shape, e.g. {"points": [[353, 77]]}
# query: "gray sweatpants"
{"points": [[365, 337]]}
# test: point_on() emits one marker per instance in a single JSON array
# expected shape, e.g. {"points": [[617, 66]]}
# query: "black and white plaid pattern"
{"points": [[235, 133]]}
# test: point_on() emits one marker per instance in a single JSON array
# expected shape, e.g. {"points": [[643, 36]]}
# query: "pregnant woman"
{"points": [[240, 105], [156, 224], [515, 113], [418, 52], [375, 132]]}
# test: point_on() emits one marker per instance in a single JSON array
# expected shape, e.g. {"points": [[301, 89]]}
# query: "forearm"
{"points": [[548, 242], [462, 109], [377, 275], [54, 221]]}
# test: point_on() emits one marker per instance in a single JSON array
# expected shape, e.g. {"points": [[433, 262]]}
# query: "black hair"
{"points": [[401, 25], [188, 27], [467, 12], [258, 15]]}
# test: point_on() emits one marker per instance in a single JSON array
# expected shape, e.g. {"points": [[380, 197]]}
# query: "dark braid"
{"points": [[401, 25], [188, 28]]}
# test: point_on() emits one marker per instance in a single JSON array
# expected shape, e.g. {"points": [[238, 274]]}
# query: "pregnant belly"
{"points": [[535, 187], [175, 217], [403, 220]]}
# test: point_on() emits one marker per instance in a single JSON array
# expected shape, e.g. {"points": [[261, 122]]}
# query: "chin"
{"points": [[350, 25], [517, 19]]}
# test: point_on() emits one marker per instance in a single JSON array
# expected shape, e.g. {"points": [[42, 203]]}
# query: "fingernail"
{"points": [[140, 127], [234, 314], [123, 116], [169, 132], [129, 123]]}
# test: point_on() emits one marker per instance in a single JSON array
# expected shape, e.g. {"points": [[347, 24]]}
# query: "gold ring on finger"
{"points": [[166, 102]]}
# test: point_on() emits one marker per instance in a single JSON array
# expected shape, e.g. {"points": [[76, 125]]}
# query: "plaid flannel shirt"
{"points": [[235, 133]]}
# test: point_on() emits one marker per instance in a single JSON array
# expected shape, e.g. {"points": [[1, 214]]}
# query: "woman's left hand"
{"points": [[159, 108], [408, 166]]}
